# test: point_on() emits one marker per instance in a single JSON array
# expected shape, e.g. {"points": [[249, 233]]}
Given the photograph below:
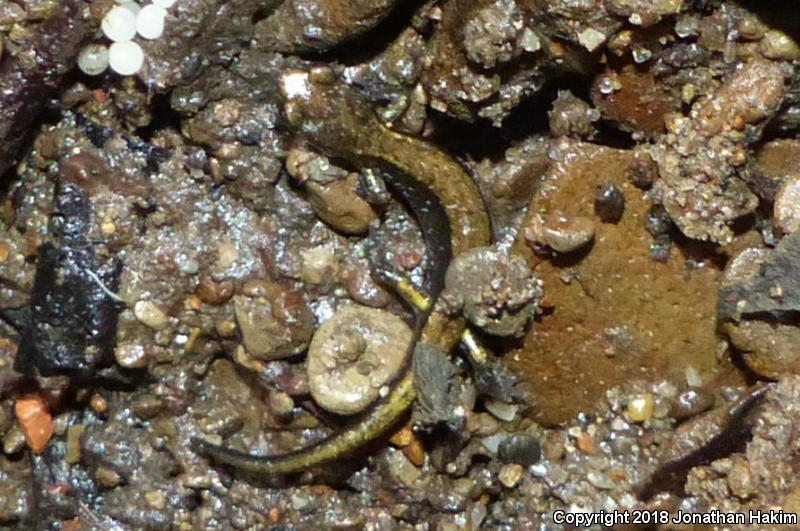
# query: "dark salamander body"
{"points": [[449, 210]]}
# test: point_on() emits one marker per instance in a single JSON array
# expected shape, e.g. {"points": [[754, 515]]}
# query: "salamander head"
{"points": [[317, 105]]}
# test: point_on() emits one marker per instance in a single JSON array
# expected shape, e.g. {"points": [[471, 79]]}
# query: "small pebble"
{"points": [[363, 289], [125, 58], [482, 424], [212, 292], [591, 39], [786, 214], [98, 403], [274, 515], [150, 314], [492, 442], [402, 470], [693, 377], [559, 231], [586, 443], [320, 265], [166, 4], [641, 407], [167, 428], [618, 424], [691, 402], [609, 203], [13, 441], [529, 41], [93, 59], [408, 260], [553, 447], [108, 228], [402, 437], [502, 410], [642, 172], [131, 356], [339, 205], [777, 45], [566, 234], [522, 449], [195, 480], [227, 254], [119, 24], [107, 477], [740, 479], [74, 443], [156, 499], [35, 420], [280, 404], [510, 475], [661, 248], [414, 452], [600, 480], [226, 328], [147, 407], [744, 265], [751, 28], [61, 423], [193, 302]]}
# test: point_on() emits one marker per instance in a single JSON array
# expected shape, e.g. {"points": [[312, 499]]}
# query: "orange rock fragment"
{"points": [[274, 515], [412, 447], [402, 437], [35, 420], [586, 443], [415, 452]]}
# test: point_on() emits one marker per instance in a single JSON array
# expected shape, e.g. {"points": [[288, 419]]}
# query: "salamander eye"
{"points": [[353, 357]]}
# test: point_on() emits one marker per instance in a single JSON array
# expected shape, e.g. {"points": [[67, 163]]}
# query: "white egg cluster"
{"points": [[121, 24]]}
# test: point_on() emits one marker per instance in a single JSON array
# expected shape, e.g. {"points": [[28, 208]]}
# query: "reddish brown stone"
{"points": [[617, 314]]}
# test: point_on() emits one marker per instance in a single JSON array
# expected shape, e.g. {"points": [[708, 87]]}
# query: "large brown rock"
{"points": [[616, 315]]}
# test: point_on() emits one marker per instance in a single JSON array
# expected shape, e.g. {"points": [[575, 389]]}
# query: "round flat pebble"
{"points": [[119, 24], [641, 407], [151, 315], [150, 21], [93, 59], [125, 58], [166, 4]]}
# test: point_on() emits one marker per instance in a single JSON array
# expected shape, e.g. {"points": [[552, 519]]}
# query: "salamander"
{"points": [[452, 217]]}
